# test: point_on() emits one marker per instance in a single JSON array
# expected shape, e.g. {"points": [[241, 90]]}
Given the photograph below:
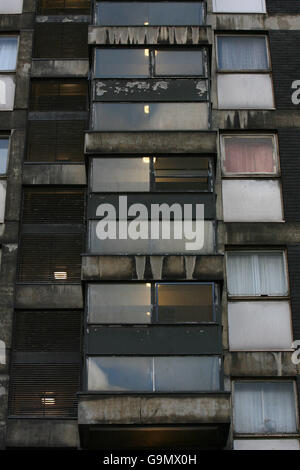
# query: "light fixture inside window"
{"points": [[60, 275], [146, 109], [146, 23], [148, 313], [148, 284], [146, 159]]}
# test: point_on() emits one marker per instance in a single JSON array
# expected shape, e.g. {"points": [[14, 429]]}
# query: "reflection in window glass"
{"points": [[161, 374], [178, 63], [119, 303], [122, 63], [264, 407], [3, 155], [8, 52], [249, 154], [150, 116], [182, 174], [242, 53], [256, 273], [185, 303], [149, 13]]}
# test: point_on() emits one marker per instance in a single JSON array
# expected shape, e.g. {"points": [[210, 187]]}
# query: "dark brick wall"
{"points": [[283, 6], [289, 145], [294, 274], [285, 57]]}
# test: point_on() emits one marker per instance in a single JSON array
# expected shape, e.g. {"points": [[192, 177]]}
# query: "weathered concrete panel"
{"points": [[23, 70], [179, 35], [12, 119], [59, 68], [202, 268], [240, 22], [245, 233], [260, 364], [206, 408], [54, 174], [146, 142], [268, 119], [49, 296], [42, 433], [12, 23]]}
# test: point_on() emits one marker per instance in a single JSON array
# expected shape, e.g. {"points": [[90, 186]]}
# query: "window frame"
{"points": [[253, 251], [250, 175], [268, 380]]}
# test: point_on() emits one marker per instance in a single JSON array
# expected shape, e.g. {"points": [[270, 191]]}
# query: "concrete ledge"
{"points": [[161, 409], [256, 119], [54, 174], [59, 68], [254, 22], [144, 142], [42, 433], [261, 233], [260, 364], [16, 22], [117, 35], [205, 268], [48, 296]]}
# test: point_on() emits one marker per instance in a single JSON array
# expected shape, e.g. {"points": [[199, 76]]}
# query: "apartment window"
{"points": [[251, 89], [141, 63], [257, 273], [154, 374], [239, 6], [193, 173], [56, 141], [264, 407], [11, 7], [249, 154], [151, 303], [4, 146], [150, 116], [8, 53], [2, 199], [60, 40], [58, 95], [57, 7], [149, 13], [266, 444]]}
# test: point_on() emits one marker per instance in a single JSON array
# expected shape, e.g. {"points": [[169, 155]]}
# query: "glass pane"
{"points": [[149, 13], [8, 52], [178, 63], [242, 53], [264, 407], [185, 303], [256, 274], [182, 173], [2, 200], [122, 63], [11, 6], [3, 155], [120, 374], [120, 174], [119, 303], [7, 92], [187, 373], [239, 6], [150, 116], [245, 91], [249, 154]]}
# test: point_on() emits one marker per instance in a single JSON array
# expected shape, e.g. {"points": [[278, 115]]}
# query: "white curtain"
{"points": [[8, 53], [242, 53], [256, 274], [264, 407]]}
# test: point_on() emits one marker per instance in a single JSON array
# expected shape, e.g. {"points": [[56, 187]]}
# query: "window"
{"points": [[150, 116], [239, 6], [149, 13], [247, 90], [252, 200], [56, 141], [249, 154], [132, 303], [257, 273], [161, 374], [7, 92], [57, 7], [8, 53], [58, 95], [192, 173], [259, 326], [2, 200], [264, 407], [60, 40], [4, 145], [11, 7], [266, 444], [141, 63]]}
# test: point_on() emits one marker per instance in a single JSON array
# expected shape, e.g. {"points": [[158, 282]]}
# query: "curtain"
{"points": [[3, 155], [256, 274], [8, 53], [249, 155], [242, 53], [264, 407]]}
